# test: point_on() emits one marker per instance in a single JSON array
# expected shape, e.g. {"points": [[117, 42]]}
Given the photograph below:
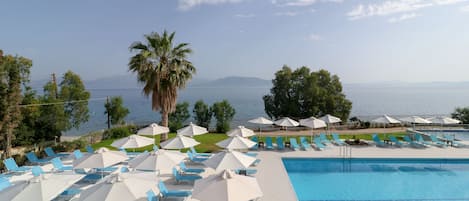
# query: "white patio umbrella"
{"points": [[415, 120], [42, 188], [122, 186], [192, 130], [132, 141], [329, 119], [179, 142], [229, 160], [227, 186], [313, 123], [261, 121], [385, 119], [102, 158], [153, 129], [443, 120], [236, 142], [241, 131], [162, 161], [286, 122]]}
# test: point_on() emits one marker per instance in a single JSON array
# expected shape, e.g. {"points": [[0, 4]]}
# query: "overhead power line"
{"points": [[62, 102]]}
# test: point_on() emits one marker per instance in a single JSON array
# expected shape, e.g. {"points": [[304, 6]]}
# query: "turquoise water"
{"points": [[379, 179]]}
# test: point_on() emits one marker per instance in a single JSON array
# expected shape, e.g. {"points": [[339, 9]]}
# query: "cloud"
{"points": [[403, 17], [301, 3], [395, 6], [465, 8], [250, 15], [288, 13], [315, 37], [188, 4]]}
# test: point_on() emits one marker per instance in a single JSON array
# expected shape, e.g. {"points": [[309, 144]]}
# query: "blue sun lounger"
{"points": [[452, 141], [59, 166], [412, 142], [280, 144], [420, 140], [50, 153], [305, 144], [195, 159], [190, 178], [246, 171], [256, 140], [394, 140], [33, 159], [268, 143], [197, 154], [4, 183], [337, 140], [184, 169], [294, 144], [378, 141], [318, 144], [323, 138], [151, 196], [172, 193], [436, 141], [11, 166], [89, 149]]}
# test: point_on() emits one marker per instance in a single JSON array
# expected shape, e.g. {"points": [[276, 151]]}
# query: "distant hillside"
{"points": [[235, 81]]}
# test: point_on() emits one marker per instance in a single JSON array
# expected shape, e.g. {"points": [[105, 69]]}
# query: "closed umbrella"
{"points": [[227, 186], [192, 130], [132, 141], [153, 129], [42, 188], [229, 160], [241, 131], [122, 186], [236, 142], [102, 158], [179, 142], [162, 161]]}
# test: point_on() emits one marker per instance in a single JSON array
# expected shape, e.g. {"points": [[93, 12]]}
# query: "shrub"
{"points": [[223, 113], [119, 132]]}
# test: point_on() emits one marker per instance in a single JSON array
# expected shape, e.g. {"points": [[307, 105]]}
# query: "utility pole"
{"points": [[108, 115], [54, 82]]}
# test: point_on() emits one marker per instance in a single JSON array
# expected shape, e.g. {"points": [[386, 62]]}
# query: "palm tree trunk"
{"points": [[164, 122]]}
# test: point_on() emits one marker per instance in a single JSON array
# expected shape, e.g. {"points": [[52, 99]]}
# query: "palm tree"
{"points": [[162, 67]]}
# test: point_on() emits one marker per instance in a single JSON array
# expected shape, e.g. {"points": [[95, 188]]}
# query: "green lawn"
{"points": [[207, 141]]}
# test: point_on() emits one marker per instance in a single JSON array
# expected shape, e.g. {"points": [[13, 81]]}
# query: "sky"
{"points": [[360, 41]]}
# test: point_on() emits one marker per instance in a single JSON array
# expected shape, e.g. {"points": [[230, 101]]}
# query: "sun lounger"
{"points": [[129, 154], [436, 141], [413, 143], [323, 138], [190, 170], [395, 141], [256, 140], [50, 153], [452, 141], [246, 171], [195, 159], [172, 193], [77, 154], [280, 144], [151, 196], [33, 159], [89, 149], [337, 140], [197, 154], [420, 140], [89, 177], [294, 144], [59, 166], [378, 141], [11, 166], [37, 171], [189, 178], [68, 194], [268, 143], [4, 183], [305, 144], [252, 154], [318, 144]]}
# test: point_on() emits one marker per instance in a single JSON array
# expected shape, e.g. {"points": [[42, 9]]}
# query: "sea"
{"points": [[369, 101]]}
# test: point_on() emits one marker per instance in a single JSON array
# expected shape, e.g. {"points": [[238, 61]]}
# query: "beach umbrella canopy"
{"points": [[385, 119], [330, 119], [192, 130], [179, 142], [41, 188], [443, 120], [102, 158], [241, 131], [132, 141], [415, 120], [313, 123], [261, 120], [153, 129], [122, 186], [286, 122], [229, 160], [227, 186], [236, 142], [161, 160]]}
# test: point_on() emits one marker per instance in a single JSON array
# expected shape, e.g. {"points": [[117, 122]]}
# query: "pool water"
{"points": [[461, 134], [378, 179]]}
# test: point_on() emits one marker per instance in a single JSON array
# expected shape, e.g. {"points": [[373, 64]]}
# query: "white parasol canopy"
{"points": [[415, 120], [153, 129], [241, 131], [261, 120], [385, 119], [132, 141], [161, 160], [179, 142], [227, 186], [286, 122], [236, 142], [229, 160], [122, 186], [42, 188], [192, 130], [443, 120], [330, 119], [102, 158], [313, 123]]}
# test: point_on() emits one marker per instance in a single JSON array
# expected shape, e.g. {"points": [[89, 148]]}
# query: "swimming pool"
{"points": [[378, 179]]}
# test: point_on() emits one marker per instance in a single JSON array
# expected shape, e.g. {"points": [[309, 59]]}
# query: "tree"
{"points": [[14, 72], [116, 110], [302, 94], [179, 116], [462, 114], [26, 131], [223, 113], [75, 96], [202, 114], [162, 67]]}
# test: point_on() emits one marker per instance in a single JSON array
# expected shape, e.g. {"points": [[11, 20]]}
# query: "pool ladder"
{"points": [[345, 152]]}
